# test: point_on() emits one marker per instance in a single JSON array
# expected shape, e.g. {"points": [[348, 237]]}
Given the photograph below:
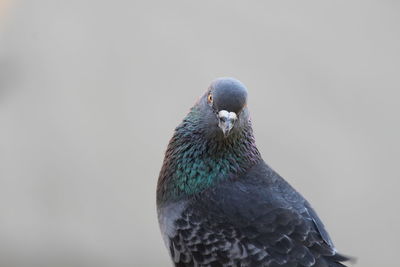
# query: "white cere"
{"points": [[227, 115]]}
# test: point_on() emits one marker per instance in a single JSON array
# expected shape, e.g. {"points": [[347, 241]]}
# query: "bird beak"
{"points": [[226, 121]]}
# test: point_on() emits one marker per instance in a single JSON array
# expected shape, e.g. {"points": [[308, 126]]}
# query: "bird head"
{"points": [[224, 107]]}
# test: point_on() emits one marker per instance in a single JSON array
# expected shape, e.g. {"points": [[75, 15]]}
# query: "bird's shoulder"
{"points": [[258, 197], [257, 219]]}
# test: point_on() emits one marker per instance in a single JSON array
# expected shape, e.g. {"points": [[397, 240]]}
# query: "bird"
{"points": [[220, 204]]}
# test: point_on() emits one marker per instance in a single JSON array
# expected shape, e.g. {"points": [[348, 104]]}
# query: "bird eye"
{"points": [[210, 98]]}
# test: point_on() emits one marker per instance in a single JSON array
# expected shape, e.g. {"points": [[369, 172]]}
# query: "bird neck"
{"points": [[194, 162]]}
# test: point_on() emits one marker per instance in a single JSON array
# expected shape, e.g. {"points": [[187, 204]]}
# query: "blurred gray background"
{"points": [[90, 92]]}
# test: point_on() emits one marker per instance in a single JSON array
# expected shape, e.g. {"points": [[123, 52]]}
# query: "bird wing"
{"points": [[257, 219]]}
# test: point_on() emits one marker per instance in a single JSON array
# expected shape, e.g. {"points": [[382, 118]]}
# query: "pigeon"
{"points": [[220, 204]]}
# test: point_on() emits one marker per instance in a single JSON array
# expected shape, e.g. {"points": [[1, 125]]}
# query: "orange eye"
{"points": [[210, 98]]}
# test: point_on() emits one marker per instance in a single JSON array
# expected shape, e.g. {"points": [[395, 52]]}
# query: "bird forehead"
{"points": [[229, 94], [227, 86]]}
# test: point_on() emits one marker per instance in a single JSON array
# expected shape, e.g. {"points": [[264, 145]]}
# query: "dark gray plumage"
{"points": [[220, 204]]}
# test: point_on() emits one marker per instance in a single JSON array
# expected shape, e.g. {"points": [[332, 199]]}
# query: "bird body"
{"points": [[220, 204]]}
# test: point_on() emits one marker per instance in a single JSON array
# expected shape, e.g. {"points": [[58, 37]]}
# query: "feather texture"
{"points": [[220, 204]]}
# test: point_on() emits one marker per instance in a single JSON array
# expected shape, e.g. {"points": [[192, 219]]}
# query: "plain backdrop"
{"points": [[90, 92]]}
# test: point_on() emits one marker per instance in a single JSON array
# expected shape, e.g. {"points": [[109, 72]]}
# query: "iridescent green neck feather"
{"points": [[194, 162]]}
